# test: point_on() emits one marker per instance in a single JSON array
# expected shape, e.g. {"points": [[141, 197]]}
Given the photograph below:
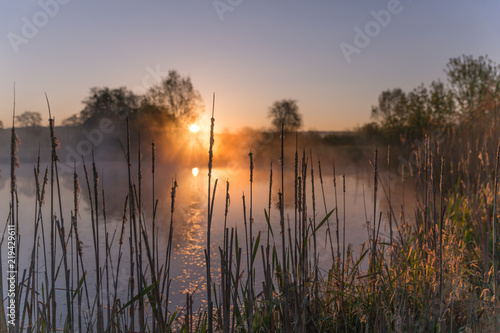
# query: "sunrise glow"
{"points": [[194, 128]]}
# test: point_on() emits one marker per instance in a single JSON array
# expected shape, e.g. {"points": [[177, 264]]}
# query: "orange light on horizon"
{"points": [[194, 128], [195, 171]]}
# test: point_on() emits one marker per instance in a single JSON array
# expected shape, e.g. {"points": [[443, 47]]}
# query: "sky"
{"points": [[333, 57]]}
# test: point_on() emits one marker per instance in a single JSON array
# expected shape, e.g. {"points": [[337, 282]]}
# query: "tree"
{"points": [[175, 96], [471, 100], [74, 120], [1, 124], [441, 104], [411, 115], [392, 109], [286, 111], [106, 102], [29, 119], [475, 84], [419, 114]]}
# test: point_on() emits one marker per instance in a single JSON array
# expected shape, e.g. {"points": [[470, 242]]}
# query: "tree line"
{"points": [[470, 99], [174, 101]]}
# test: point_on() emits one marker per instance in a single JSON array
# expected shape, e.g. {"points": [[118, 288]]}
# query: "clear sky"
{"points": [[250, 52]]}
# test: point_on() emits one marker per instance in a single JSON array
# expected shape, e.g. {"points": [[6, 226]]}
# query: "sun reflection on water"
{"points": [[189, 255]]}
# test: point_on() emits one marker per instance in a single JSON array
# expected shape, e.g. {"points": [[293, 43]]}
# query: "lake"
{"points": [[190, 216]]}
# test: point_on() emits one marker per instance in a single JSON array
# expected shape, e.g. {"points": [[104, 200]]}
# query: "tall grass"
{"points": [[434, 272]]}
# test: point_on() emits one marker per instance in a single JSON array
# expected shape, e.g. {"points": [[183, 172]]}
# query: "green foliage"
{"points": [[475, 84], [441, 103], [434, 275], [473, 93], [407, 116]]}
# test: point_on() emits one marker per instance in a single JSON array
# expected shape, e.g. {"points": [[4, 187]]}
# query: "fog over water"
{"points": [[174, 161]]}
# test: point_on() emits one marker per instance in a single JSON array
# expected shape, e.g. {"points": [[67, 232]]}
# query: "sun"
{"points": [[194, 128], [195, 171]]}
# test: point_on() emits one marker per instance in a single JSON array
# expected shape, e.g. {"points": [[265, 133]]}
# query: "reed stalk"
{"points": [[131, 230], [431, 280], [281, 195], [493, 222], [209, 221], [250, 269]]}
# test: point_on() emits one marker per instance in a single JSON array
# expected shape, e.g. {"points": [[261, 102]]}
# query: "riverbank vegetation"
{"points": [[436, 269]]}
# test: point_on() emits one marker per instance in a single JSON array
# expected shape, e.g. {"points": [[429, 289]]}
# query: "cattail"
{"points": [[493, 222], [250, 272], [279, 204], [76, 186], [45, 181], [15, 142], [282, 224], [168, 255], [336, 208], [76, 190], [37, 184], [209, 219], [53, 138], [155, 202], [270, 188], [132, 213], [153, 157], [124, 221], [212, 139], [269, 202], [389, 190], [172, 196], [228, 202]]}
